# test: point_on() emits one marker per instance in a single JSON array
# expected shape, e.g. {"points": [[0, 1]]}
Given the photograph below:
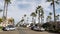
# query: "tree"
{"points": [[42, 16], [40, 13], [46, 26], [6, 2], [24, 15], [24, 18], [20, 22], [11, 20], [33, 14], [1, 20], [27, 19], [48, 18], [53, 3], [50, 13], [1, 10], [57, 17]]}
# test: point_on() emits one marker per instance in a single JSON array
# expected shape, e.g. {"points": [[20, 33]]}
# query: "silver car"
{"points": [[37, 28], [9, 27]]}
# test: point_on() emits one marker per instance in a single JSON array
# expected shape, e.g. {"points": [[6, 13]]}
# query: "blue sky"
{"points": [[18, 8]]}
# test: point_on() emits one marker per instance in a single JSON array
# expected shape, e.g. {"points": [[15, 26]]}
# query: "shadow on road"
{"points": [[54, 32]]}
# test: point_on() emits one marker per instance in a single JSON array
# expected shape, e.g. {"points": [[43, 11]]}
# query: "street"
{"points": [[21, 30], [9, 32], [28, 31]]}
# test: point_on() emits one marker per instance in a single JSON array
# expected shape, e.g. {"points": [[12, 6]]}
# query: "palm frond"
{"points": [[38, 7], [50, 13], [58, 15], [24, 15], [51, 4], [1, 10], [49, 0], [36, 11], [56, 2], [33, 14], [8, 1]]}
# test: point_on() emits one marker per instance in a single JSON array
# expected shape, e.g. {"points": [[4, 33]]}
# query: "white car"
{"points": [[37, 28], [42, 29], [9, 27]]}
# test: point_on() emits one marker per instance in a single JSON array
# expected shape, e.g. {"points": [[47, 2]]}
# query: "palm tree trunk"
{"points": [[35, 21], [42, 20], [6, 10], [27, 19], [32, 20], [54, 11], [39, 19], [39, 24], [54, 14]]}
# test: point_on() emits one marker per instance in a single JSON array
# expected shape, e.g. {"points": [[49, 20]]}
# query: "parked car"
{"points": [[9, 28], [32, 27], [37, 28], [42, 29]]}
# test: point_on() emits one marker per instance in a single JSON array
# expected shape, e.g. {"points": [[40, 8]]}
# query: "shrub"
{"points": [[1, 27]]}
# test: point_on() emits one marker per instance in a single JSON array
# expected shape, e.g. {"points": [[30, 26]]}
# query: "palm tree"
{"points": [[48, 18], [53, 3], [24, 15], [40, 13], [24, 18], [33, 14], [20, 22], [57, 17], [6, 2], [27, 19], [42, 16], [11, 20], [1, 10], [1, 20], [50, 13]]}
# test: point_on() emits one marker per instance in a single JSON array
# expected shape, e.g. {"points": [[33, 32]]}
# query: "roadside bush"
{"points": [[1, 27], [46, 25]]}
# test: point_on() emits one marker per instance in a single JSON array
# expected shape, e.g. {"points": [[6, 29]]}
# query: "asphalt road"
{"points": [[28, 31], [21, 30], [9, 32]]}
